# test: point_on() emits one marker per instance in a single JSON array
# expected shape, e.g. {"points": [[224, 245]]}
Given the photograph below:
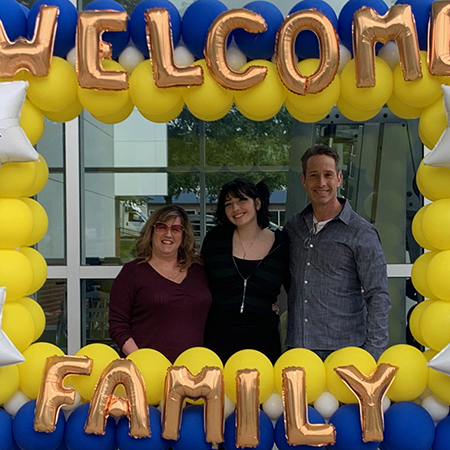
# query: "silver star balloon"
{"points": [[9, 354], [441, 361]]}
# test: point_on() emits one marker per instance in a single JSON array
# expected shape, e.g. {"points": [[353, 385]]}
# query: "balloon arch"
{"points": [[55, 62]]}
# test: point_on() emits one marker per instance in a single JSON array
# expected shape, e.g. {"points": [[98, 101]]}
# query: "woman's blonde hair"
{"points": [[187, 254]]}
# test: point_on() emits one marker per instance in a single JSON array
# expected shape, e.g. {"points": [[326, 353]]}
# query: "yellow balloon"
{"points": [[40, 179], [36, 311], [436, 224], [437, 275], [67, 114], [366, 99], [16, 222], [16, 274], [249, 359], [18, 324], [168, 116], [103, 102], [414, 321], [39, 266], [264, 100], [9, 381], [119, 116], [57, 90], [416, 228], [314, 104], [149, 98], [40, 221], [401, 109], [439, 384], [433, 182], [153, 366], [359, 357], [101, 355], [210, 101], [435, 324], [32, 122], [418, 93], [31, 369], [411, 376], [357, 115], [16, 179], [302, 116], [419, 274], [314, 368], [432, 123]]}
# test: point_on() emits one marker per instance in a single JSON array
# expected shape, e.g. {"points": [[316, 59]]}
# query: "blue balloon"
{"points": [[421, 10], [6, 432], [26, 11], [442, 437], [67, 24], [14, 19], [260, 45], [307, 44], [408, 426], [28, 439], [138, 24], [154, 442], [77, 439], [347, 422], [118, 39], [346, 17], [280, 431], [195, 24], [266, 433], [192, 433]]}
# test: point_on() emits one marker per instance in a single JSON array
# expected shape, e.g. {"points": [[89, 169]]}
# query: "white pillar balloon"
{"points": [[327, 404], [389, 52], [182, 57], [273, 406], [130, 58], [15, 403]]}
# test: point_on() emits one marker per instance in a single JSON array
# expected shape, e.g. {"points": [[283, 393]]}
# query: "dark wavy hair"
{"points": [[243, 188], [187, 254], [320, 149]]}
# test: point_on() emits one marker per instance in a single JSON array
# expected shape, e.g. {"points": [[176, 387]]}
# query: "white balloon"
{"points": [[435, 408], [182, 57], [386, 403], [389, 52], [235, 58], [273, 406], [15, 403], [71, 57], [326, 404], [344, 57], [130, 58], [77, 401], [9, 355], [426, 393], [229, 406], [14, 143]]}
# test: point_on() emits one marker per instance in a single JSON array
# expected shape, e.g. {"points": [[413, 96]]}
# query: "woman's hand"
{"points": [[129, 346]]}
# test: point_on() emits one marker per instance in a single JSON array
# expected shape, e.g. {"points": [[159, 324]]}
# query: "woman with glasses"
{"points": [[161, 299], [246, 264]]}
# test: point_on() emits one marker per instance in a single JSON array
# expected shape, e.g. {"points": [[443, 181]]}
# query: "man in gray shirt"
{"points": [[339, 293]]}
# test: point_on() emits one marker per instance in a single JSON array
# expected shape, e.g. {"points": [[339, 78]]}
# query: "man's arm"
{"points": [[372, 271]]}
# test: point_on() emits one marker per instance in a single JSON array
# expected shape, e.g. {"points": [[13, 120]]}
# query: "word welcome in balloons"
{"points": [[208, 384], [369, 27]]}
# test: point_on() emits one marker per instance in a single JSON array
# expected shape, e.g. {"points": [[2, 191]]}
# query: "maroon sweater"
{"points": [[156, 312]]}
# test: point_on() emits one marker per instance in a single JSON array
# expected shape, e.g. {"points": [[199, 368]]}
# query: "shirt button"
{"points": [[306, 281], [306, 320], [311, 245], [306, 301], [308, 263]]}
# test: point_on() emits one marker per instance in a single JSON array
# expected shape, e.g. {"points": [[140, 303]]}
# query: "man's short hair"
{"points": [[320, 149]]}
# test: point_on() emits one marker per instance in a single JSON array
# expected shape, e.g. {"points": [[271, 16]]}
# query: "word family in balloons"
{"points": [[208, 384], [369, 27]]}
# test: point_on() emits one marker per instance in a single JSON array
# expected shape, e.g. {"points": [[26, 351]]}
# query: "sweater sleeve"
{"points": [[120, 305]]}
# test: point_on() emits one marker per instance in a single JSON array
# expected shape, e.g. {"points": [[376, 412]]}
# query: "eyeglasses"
{"points": [[307, 241], [161, 227]]}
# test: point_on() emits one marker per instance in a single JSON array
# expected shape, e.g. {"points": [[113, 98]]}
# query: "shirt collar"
{"points": [[343, 216]]}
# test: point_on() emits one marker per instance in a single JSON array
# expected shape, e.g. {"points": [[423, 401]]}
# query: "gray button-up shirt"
{"points": [[339, 293]]}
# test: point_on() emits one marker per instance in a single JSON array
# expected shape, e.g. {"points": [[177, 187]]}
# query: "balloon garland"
{"points": [[401, 372]]}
